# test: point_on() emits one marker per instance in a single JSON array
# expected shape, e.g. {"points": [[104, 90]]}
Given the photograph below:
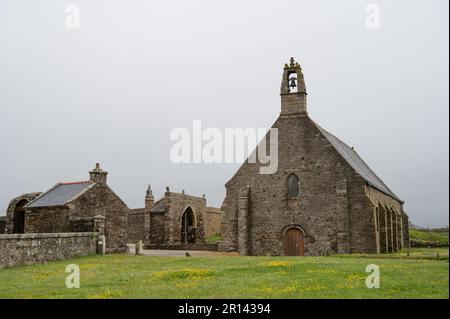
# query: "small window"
{"points": [[293, 187]]}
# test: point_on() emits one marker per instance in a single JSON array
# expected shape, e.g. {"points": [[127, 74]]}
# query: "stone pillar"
{"points": [[394, 232], [383, 230], [376, 228], [139, 248], [101, 244], [99, 224], [342, 213], [400, 231], [172, 228], [405, 228], [243, 222], [149, 199], [390, 238], [147, 227]]}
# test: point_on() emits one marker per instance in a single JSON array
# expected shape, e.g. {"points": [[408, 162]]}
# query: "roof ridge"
{"points": [[73, 183]]}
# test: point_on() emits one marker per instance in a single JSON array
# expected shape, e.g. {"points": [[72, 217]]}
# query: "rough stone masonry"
{"points": [[322, 199]]}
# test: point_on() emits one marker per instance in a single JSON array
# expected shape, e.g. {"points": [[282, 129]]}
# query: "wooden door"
{"points": [[293, 242]]}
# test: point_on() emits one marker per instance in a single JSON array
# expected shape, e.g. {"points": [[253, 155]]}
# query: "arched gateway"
{"points": [[188, 227]]}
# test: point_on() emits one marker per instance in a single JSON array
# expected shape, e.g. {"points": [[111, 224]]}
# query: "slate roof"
{"points": [[60, 194], [357, 163]]}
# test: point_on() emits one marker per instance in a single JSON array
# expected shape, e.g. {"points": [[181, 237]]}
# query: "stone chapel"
{"points": [[322, 199]]}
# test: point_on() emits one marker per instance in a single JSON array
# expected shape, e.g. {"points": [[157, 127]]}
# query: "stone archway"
{"points": [[188, 227], [294, 241], [15, 214], [19, 217]]}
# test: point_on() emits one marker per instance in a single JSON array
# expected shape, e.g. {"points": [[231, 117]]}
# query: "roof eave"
{"points": [[387, 194]]}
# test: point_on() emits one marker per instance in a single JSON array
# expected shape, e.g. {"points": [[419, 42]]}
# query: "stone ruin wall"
{"points": [[213, 221], [19, 249]]}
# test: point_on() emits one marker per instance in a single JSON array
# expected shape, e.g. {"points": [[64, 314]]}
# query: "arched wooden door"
{"points": [[294, 242]]}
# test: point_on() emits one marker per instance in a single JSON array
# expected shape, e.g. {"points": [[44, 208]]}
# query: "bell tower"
{"points": [[293, 90]]}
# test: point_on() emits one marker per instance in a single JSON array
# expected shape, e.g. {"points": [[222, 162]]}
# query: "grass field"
{"points": [[429, 237], [122, 276]]}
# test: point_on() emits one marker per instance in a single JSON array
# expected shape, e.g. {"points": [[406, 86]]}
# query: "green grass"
{"points": [[429, 237], [213, 239], [413, 253], [123, 276]]}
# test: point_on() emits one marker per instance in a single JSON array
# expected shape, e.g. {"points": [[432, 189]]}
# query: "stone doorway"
{"points": [[294, 242], [19, 217], [188, 227]]}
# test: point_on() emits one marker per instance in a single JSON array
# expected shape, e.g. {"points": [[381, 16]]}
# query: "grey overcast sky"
{"points": [[112, 90]]}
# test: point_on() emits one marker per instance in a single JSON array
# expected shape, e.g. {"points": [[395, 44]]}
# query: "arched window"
{"points": [[292, 82], [293, 186]]}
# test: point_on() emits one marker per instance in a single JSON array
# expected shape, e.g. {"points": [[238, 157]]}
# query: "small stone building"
{"points": [[91, 205], [176, 219], [74, 207], [322, 199]]}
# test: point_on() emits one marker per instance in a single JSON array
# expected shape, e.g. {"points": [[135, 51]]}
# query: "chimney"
{"points": [[293, 90], [149, 199], [97, 175]]}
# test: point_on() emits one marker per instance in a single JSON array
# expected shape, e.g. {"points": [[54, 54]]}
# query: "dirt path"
{"points": [[182, 253]]}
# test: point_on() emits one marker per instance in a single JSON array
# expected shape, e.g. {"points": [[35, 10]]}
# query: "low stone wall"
{"points": [[39, 248], [208, 247]]}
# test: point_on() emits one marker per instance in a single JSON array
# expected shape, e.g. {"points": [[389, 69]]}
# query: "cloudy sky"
{"points": [[112, 90]]}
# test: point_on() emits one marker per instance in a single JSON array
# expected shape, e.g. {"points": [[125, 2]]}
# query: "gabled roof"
{"points": [[357, 163], [60, 194]]}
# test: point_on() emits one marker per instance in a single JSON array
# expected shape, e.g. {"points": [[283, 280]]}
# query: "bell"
{"points": [[293, 83]]}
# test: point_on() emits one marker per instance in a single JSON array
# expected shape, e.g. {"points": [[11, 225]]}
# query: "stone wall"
{"points": [[158, 228], [161, 222], [213, 221], [52, 219], [332, 211], [79, 214], [81, 224], [101, 200], [390, 221], [21, 249], [136, 226], [177, 204]]}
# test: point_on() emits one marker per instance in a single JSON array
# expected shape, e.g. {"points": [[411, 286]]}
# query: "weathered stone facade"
{"points": [[213, 221], [18, 249], [339, 206], [91, 206], [175, 219], [15, 214], [95, 206]]}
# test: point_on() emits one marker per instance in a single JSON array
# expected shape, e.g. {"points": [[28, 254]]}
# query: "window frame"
{"points": [[288, 183]]}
